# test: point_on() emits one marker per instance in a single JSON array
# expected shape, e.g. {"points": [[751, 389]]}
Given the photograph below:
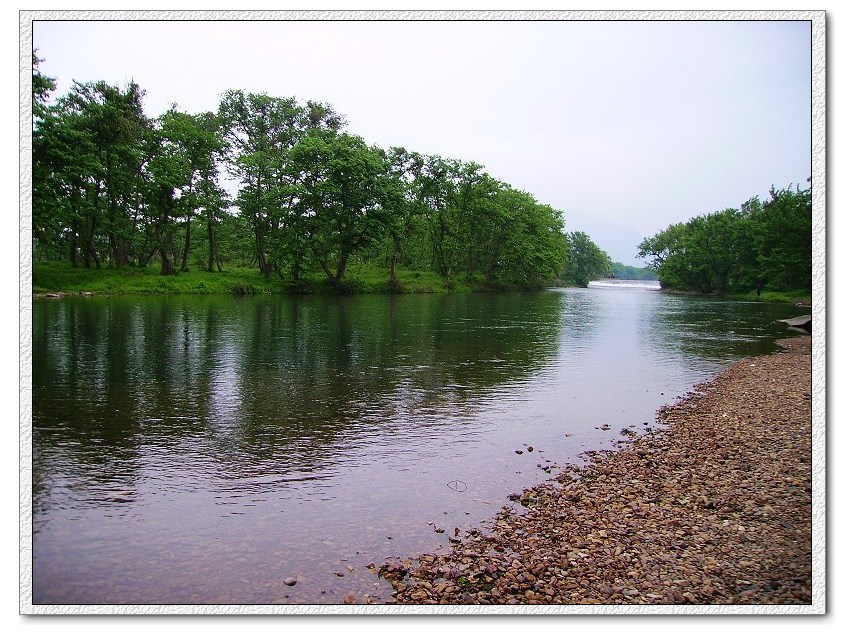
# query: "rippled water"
{"points": [[201, 450]]}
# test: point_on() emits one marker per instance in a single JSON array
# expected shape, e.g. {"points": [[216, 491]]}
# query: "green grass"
{"points": [[60, 277], [791, 296], [368, 278]]}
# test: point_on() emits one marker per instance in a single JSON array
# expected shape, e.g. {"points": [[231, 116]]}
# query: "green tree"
{"points": [[760, 245], [117, 124], [629, 272], [260, 132], [405, 206], [42, 86], [87, 154], [453, 192], [196, 139], [783, 239], [344, 199], [169, 173], [526, 245], [586, 261], [666, 253]]}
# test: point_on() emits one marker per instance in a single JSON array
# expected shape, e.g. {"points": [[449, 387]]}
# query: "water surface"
{"points": [[201, 450]]}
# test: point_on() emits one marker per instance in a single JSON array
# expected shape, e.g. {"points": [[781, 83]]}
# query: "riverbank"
{"points": [[56, 279], [798, 297], [715, 508]]}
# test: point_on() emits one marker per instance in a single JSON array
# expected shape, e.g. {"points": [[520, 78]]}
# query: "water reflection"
{"points": [[733, 329], [251, 387], [203, 449]]}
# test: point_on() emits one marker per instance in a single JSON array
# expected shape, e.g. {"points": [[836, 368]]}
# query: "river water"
{"points": [[201, 450]]}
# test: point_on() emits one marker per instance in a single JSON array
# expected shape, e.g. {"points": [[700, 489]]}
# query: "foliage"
{"points": [[115, 189], [586, 261], [761, 246], [629, 272]]}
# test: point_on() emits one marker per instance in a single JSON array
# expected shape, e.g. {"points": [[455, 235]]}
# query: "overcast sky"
{"points": [[626, 126]]}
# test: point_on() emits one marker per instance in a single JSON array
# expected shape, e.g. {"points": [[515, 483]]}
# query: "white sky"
{"points": [[626, 126]]}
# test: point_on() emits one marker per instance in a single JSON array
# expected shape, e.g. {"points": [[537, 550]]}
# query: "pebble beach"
{"points": [[713, 506]]}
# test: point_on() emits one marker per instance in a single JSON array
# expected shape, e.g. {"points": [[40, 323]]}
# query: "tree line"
{"points": [[114, 187], [763, 245], [629, 272]]}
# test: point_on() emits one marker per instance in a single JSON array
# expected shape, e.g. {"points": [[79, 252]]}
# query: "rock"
{"points": [[290, 581], [800, 322]]}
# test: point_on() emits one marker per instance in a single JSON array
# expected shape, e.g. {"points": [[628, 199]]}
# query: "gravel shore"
{"points": [[714, 508]]}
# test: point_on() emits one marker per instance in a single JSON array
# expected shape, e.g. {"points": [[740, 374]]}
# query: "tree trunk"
{"points": [[184, 266], [144, 261], [259, 248], [74, 248], [212, 243], [118, 252], [166, 203], [393, 260], [90, 253], [74, 245], [325, 267], [263, 265], [341, 267], [166, 264], [74, 232]]}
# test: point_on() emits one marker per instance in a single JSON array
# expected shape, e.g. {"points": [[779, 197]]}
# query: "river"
{"points": [[202, 450]]}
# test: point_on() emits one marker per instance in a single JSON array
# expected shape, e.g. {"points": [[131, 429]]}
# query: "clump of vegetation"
{"points": [[629, 272], [121, 193], [761, 248], [585, 260]]}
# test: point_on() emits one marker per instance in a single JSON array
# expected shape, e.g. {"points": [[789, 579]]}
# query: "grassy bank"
{"points": [[793, 296], [801, 297], [61, 277]]}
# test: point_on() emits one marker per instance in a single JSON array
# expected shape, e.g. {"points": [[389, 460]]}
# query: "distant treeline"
{"points": [[629, 272], [760, 246], [113, 187]]}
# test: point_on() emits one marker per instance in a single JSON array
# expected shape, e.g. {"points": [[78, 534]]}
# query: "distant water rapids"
{"points": [[616, 283]]}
